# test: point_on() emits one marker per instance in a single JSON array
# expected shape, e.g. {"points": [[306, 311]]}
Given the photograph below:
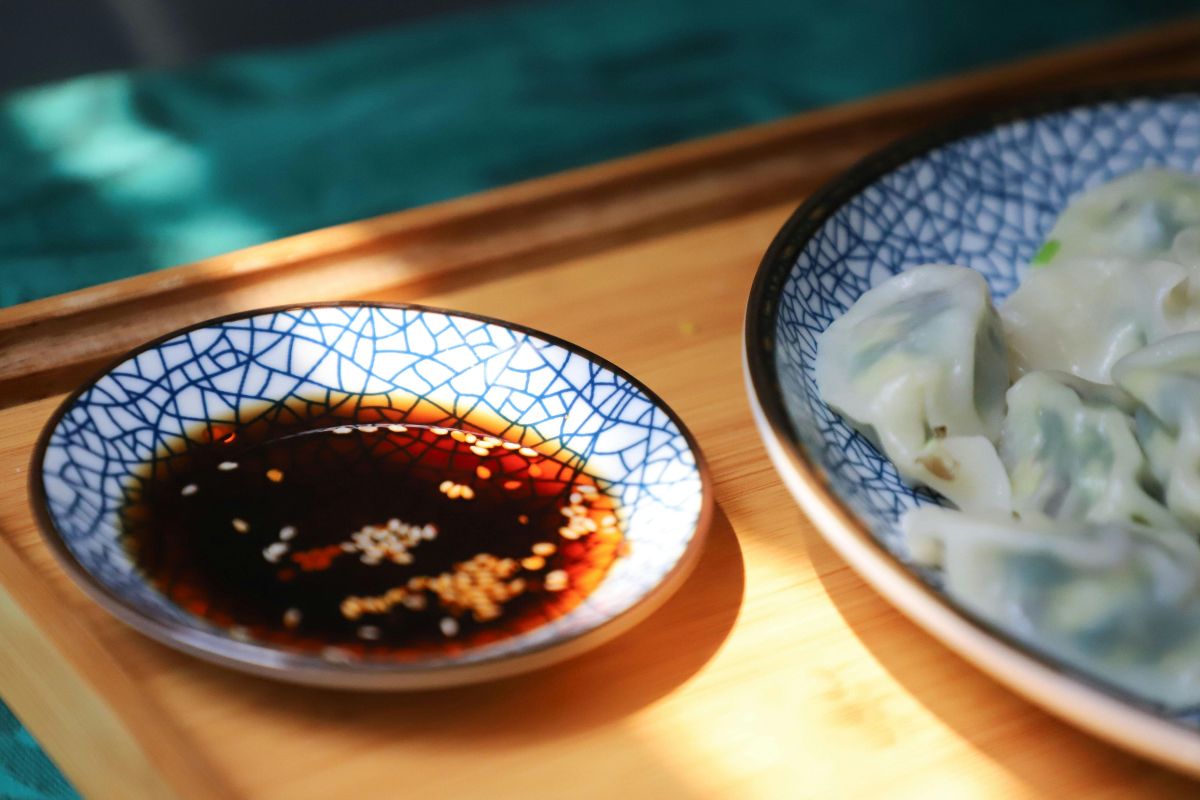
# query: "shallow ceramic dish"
{"points": [[477, 371], [983, 194]]}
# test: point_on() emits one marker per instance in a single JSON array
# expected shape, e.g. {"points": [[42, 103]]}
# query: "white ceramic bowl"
{"points": [[981, 193], [479, 372]]}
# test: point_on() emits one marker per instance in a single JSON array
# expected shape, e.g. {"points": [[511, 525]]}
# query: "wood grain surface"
{"points": [[774, 672]]}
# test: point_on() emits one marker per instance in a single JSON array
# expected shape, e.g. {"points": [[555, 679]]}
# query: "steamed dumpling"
{"points": [[918, 365], [1082, 315], [1139, 217], [1071, 454], [1119, 600], [1118, 271], [1165, 379]]}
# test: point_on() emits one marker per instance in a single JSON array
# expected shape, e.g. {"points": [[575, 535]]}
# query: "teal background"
{"points": [[111, 175]]}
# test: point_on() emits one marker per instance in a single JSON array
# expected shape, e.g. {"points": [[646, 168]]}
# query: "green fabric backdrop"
{"points": [[112, 175]]}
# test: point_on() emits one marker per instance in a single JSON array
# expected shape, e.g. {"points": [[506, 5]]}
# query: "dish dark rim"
{"points": [[266, 659], [762, 314]]}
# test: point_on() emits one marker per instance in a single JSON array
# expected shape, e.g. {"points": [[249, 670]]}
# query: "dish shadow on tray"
{"points": [[890, 637], [598, 687]]}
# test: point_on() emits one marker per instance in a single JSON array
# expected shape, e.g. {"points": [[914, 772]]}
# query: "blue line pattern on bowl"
{"points": [[236, 369], [985, 201]]}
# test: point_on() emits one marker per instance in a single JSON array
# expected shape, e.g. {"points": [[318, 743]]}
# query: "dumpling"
{"points": [[1121, 601], [1165, 379], [1082, 315], [1071, 454], [1138, 217], [918, 365], [1119, 270]]}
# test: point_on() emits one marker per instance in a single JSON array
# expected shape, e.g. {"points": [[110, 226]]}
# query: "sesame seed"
{"points": [[449, 626], [369, 632], [240, 633], [535, 470], [342, 430], [416, 602], [227, 466], [544, 549], [458, 436], [568, 533], [439, 431], [523, 519], [444, 486], [576, 498], [467, 492], [483, 472], [189, 490], [555, 580], [511, 446], [490, 441], [586, 489], [275, 475], [512, 485], [368, 428], [335, 654], [240, 525], [397, 428], [528, 452], [291, 618], [533, 562], [482, 452]]}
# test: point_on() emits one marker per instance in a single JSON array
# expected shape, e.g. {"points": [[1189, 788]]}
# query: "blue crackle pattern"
{"points": [[238, 369], [985, 201]]}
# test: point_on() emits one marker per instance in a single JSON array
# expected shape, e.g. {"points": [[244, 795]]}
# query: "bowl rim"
{"points": [[312, 669], [836, 521]]}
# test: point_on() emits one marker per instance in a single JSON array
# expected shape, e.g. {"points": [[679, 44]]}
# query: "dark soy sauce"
{"points": [[377, 539]]}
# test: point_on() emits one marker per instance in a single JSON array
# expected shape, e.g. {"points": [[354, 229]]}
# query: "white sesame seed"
{"points": [[368, 428], [397, 428], [369, 632], [287, 533], [240, 525], [528, 452], [449, 626], [342, 430], [189, 490], [240, 633], [227, 466], [335, 654], [291, 618]]}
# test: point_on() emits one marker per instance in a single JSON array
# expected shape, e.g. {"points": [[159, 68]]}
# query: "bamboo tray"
{"points": [[775, 671]]}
